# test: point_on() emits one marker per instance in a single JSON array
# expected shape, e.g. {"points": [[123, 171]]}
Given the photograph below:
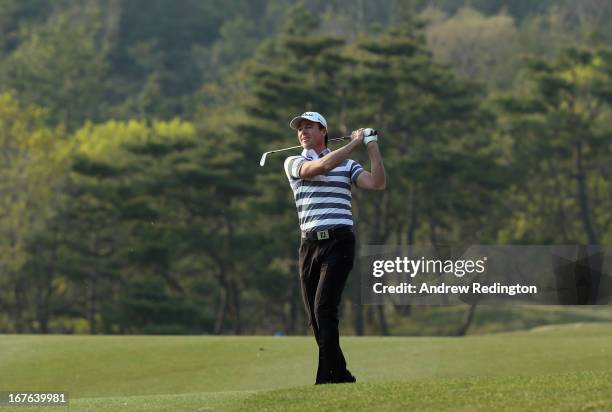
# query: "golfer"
{"points": [[321, 181]]}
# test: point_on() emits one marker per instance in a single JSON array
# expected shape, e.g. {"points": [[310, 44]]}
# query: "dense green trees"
{"points": [[132, 199], [562, 145], [34, 161]]}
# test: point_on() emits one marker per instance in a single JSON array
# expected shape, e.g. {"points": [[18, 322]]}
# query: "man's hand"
{"points": [[357, 135], [376, 179], [369, 136]]}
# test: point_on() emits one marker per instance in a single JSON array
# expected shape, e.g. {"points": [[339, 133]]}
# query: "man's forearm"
{"points": [[333, 159], [328, 162], [378, 169]]}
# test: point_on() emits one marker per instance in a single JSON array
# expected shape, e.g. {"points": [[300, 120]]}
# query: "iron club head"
{"points": [[262, 161]]}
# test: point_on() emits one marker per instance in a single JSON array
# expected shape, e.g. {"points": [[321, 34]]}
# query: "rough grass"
{"points": [[549, 368]]}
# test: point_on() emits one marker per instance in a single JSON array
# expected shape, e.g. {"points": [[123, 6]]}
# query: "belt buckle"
{"points": [[322, 234]]}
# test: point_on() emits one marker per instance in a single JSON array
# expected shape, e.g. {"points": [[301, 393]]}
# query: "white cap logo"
{"points": [[312, 116]]}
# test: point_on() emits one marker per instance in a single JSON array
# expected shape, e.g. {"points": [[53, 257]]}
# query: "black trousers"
{"points": [[324, 268]]}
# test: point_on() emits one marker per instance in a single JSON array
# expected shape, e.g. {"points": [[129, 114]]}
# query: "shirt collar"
{"points": [[312, 154]]}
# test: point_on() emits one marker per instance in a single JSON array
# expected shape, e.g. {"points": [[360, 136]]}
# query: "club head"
{"points": [[262, 161]]}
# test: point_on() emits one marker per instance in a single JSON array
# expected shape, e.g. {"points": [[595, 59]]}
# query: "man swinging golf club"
{"points": [[321, 182]]}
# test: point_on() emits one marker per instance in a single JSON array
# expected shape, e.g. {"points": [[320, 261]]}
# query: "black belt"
{"points": [[327, 233]]}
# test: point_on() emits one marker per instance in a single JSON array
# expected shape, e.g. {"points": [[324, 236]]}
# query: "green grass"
{"points": [[445, 320], [549, 368], [570, 391]]}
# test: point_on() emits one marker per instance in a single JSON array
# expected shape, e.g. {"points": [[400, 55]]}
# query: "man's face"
{"points": [[311, 135]]}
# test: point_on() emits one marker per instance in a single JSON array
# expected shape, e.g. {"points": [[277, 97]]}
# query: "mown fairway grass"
{"points": [[550, 368]]}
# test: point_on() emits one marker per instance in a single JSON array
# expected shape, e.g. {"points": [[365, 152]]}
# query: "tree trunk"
{"points": [[406, 310], [44, 297], [18, 308], [91, 302], [221, 313], [356, 307], [294, 305], [467, 321], [432, 229], [583, 201], [382, 319], [235, 295], [166, 275], [226, 294], [413, 220], [561, 211], [43, 312]]}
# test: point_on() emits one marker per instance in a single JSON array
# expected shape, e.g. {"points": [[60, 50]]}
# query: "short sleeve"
{"points": [[293, 165], [356, 170]]}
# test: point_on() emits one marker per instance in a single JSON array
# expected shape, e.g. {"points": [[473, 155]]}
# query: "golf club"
{"points": [[265, 155]]}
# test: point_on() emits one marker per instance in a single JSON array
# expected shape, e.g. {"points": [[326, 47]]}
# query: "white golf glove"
{"points": [[370, 135]]}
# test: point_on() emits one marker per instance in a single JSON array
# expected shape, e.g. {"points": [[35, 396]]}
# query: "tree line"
{"points": [[133, 203]]}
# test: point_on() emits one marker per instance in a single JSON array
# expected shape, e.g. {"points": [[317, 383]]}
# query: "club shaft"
{"points": [[298, 147], [265, 155]]}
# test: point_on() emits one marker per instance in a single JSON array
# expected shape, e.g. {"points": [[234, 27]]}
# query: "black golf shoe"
{"points": [[344, 377]]}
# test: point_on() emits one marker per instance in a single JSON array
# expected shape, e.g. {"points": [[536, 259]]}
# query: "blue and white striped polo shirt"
{"points": [[324, 201]]}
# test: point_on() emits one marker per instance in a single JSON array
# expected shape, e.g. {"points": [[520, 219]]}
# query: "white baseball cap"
{"points": [[312, 116]]}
